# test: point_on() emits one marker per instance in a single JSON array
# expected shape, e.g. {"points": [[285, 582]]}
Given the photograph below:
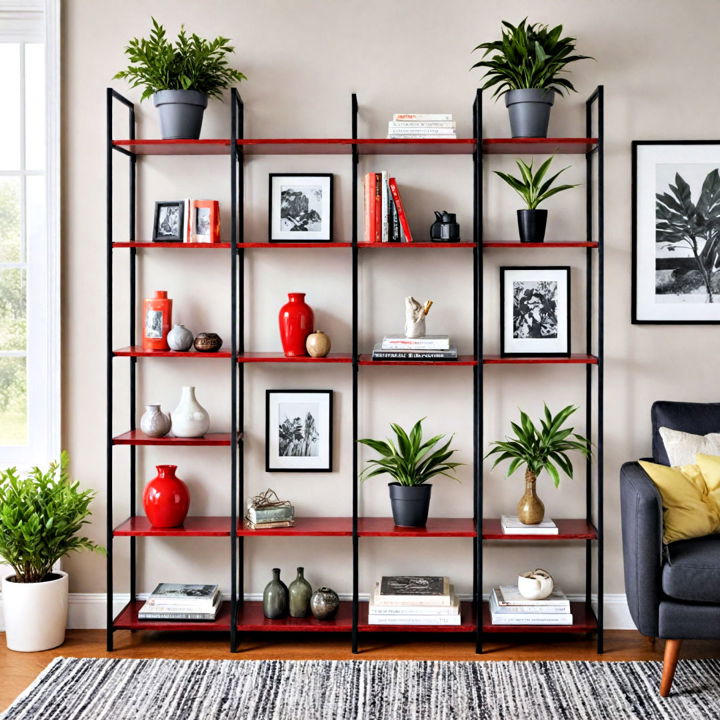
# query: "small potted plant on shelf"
{"points": [[179, 77], [525, 66], [411, 463], [531, 188], [538, 449], [40, 517]]}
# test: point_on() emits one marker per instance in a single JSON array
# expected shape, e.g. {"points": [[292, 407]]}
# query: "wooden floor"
{"points": [[18, 670]]}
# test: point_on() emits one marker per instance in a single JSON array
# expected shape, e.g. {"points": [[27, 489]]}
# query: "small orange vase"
{"points": [[157, 321]]}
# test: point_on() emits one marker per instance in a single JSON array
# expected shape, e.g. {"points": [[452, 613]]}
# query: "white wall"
{"points": [[304, 58]]}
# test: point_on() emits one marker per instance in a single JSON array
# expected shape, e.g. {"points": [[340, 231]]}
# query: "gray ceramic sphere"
{"points": [[180, 338], [324, 603]]}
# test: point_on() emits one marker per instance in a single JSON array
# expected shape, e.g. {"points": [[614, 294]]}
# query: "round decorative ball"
{"points": [[180, 338], [324, 603], [317, 344], [208, 342]]}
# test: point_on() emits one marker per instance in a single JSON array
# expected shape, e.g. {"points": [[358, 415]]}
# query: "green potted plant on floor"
{"points": [[525, 66], [179, 77], [41, 515], [538, 449], [411, 461], [532, 187]]}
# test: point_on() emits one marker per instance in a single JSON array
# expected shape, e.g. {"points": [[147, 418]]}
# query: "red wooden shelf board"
{"points": [[295, 245], [433, 245], [416, 146], [538, 146], [559, 244], [136, 437], [177, 245], [583, 621], [250, 618], [366, 146], [467, 622], [127, 619], [198, 526], [305, 527], [572, 360], [436, 527], [570, 529], [278, 357], [463, 360], [138, 351], [176, 147]]}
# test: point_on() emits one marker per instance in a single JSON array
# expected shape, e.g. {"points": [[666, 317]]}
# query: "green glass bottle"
{"points": [[275, 597], [300, 592]]}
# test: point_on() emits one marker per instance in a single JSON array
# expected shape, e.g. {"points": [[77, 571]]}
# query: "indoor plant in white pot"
{"points": [[525, 66], [41, 515], [180, 77]]}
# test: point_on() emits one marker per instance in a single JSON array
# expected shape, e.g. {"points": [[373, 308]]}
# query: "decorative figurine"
{"points": [[415, 315], [445, 229], [154, 422], [180, 338], [318, 344], [208, 342]]}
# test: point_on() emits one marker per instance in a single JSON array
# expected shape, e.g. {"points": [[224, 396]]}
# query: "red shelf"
{"points": [[138, 351], [175, 245], [136, 437], [462, 361], [198, 526], [467, 623], [250, 617], [538, 146], [436, 527], [518, 244], [572, 360], [277, 357], [294, 245], [175, 147], [433, 245], [583, 621], [570, 529], [127, 619], [305, 527]]}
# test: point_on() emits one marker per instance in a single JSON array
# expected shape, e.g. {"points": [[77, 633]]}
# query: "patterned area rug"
{"points": [[98, 689]]}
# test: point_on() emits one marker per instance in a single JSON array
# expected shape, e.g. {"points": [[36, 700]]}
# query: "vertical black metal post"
{"points": [[133, 360]]}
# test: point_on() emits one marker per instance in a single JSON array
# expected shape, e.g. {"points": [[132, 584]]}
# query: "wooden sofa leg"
{"points": [[672, 653]]}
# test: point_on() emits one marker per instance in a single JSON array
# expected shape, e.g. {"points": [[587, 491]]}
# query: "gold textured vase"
{"points": [[530, 508]]}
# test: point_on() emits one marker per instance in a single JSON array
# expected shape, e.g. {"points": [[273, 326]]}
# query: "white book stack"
{"points": [[414, 600], [427, 342], [422, 125], [511, 525], [171, 601], [509, 607]]}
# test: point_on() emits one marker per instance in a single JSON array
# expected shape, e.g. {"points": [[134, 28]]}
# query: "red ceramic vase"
{"points": [[296, 323], [166, 498]]}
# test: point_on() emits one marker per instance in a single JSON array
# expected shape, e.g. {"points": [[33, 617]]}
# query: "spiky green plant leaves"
{"points": [[530, 186]]}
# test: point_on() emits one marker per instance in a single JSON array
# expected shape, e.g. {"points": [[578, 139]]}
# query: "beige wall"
{"points": [[658, 63]]}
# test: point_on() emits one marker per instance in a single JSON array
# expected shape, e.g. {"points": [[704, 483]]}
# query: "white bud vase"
{"points": [[190, 418]]}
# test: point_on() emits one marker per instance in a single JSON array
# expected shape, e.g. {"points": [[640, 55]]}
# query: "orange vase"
{"points": [[156, 321]]}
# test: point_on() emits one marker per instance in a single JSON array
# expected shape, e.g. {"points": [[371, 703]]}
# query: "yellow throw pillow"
{"points": [[710, 468], [688, 511]]}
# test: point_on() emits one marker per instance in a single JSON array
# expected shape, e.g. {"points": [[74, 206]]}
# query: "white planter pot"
{"points": [[35, 613]]}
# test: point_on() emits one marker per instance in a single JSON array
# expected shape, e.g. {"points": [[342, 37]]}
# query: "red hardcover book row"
{"points": [[385, 218]]}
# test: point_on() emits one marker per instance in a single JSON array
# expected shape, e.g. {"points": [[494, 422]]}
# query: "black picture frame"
{"points": [[635, 313], [275, 234], [566, 270], [180, 204], [272, 459]]}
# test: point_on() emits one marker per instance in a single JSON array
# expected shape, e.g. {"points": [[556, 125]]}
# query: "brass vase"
{"points": [[530, 508]]}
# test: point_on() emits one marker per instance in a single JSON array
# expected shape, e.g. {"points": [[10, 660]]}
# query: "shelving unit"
{"points": [[238, 615]]}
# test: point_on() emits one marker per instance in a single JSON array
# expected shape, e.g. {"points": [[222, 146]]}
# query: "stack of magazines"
{"points": [[429, 347], [414, 600], [509, 607], [170, 601], [422, 125]]}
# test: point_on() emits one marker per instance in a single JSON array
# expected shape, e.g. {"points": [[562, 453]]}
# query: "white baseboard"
{"points": [[87, 610]]}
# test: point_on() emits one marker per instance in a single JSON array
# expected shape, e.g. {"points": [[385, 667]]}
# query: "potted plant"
{"points": [[40, 517], [525, 67], [531, 188], [180, 77], [539, 449], [411, 463]]}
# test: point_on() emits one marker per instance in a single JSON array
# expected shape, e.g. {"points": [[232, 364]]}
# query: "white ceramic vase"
{"points": [[190, 419], [180, 338], [35, 613], [536, 585], [154, 422]]}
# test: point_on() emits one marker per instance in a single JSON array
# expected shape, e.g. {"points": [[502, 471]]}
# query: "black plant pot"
{"points": [[410, 504], [531, 224]]}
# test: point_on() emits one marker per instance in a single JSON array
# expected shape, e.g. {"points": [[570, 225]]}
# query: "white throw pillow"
{"points": [[682, 447]]}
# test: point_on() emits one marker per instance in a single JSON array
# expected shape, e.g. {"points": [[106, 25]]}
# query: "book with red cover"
{"points": [[378, 208], [400, 210], [370, 207]]}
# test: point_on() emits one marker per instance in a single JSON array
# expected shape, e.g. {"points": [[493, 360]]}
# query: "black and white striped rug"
{"points": [[98, 689]]}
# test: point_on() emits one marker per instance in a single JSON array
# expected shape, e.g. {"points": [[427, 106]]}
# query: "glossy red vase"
{"points": [[296, 323], [166, 498]]}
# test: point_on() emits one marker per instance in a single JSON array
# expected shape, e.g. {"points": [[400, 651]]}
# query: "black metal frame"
{"points": [[300, 239]]}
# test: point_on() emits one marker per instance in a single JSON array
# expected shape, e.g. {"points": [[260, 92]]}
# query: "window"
{"points": [[29, 229]]}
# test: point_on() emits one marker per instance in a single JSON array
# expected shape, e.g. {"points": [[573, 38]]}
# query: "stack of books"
{"points": [[171, 601], [414, 600], [385, 219], [511, 525], [421, 126], [422, 349], [280, 516], [509, 607]]}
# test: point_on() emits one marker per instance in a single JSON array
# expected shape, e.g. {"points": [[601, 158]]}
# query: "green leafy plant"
{"points": [[192, 63], [411, 461], [530, 186], [528, 56], [543, 448], [40, 517]]}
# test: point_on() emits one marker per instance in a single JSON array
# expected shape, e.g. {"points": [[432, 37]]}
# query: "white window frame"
{"points": [[39, 21]]}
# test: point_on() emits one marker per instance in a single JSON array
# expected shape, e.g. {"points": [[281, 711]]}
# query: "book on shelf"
{"points": [[169, 612], [421, 132], [404, 225], [413, 590], [419, 610], [511, 525], [369, 195], [502, 616], [385, 219], [270, 514], [508, 599], [448, 124], [376, 619], [201, 597], [414, 355], [268, 525], [427, 342], [423, 117]]}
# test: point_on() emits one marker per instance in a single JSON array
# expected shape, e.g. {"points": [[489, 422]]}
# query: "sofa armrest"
{"points": [[642, 531]]}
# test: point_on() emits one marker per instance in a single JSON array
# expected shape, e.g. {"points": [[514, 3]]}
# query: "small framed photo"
{"points": [[301, 208], [298, 430], [535, 311], [169, 221], [204, 221]]}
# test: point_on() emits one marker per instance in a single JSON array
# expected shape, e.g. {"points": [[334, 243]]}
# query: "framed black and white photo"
{"points": [[298, 430], [169, 221], [535, 311], [676, 232], [301, 208]]}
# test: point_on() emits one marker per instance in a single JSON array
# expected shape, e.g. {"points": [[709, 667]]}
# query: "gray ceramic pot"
{"points": [[529, 111], [324, 603], [180, 338], [181, 113], [275, 597]]}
